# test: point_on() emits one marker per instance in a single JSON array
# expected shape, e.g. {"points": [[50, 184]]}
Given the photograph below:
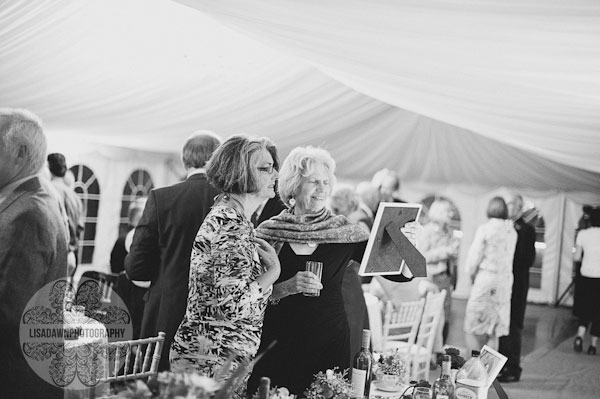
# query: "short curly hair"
{"points": [[230, 168], [300, 163]]}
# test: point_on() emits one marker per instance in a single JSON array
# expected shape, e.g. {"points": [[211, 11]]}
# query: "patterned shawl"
{"points": [[319, 228]]}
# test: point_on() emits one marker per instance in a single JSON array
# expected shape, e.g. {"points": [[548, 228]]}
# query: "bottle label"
{"points": [[465, 393], [359, 380]]}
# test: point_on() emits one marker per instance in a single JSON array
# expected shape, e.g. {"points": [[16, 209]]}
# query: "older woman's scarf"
{"points": [[318, 228]]}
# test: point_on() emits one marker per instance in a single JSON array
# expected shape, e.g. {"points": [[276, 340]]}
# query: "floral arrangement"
{"points": [[278, 393], [457, 360], [168, 386], [333, 384], [390, 363]]}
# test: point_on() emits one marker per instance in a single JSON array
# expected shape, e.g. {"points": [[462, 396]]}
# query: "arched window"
{"points": [[88, 189], [138, 185]]}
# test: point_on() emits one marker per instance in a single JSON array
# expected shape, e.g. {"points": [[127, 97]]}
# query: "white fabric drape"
{"points": [[525, 73], [144, 74]]}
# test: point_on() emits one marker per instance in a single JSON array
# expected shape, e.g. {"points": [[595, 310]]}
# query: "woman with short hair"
{"points": [[489, 264], [231, 271], [312, 332]]}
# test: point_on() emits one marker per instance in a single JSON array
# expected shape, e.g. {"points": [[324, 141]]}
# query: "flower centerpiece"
{"points": [[390, 370], [168, 385], [333, 384], [457, 360], [278, 393]]}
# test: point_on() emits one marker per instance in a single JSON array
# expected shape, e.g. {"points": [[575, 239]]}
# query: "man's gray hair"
{"points": [[23, 136]]}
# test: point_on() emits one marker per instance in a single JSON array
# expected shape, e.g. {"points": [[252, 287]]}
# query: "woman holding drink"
{"points": [[311, 331]]}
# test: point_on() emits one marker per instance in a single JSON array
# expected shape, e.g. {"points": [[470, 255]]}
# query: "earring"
{"points": [[292, 202]]}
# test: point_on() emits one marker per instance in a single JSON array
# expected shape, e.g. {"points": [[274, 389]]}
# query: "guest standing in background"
{"points": [[163, 240], [344, 201], [368, 201], [588, 252], [71, 204], [231, 271], [489, 265], [131, 292], [440, 248], [311, 332], [388, 183], [33, 245], [510, 345]]}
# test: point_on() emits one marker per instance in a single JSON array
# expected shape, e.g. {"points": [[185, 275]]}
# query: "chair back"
{"points": [[105, 281], [402, 323], [430, 320], [131, 359]]}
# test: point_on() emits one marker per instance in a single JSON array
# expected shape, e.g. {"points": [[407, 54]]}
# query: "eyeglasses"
{"points": [[267, 169]]}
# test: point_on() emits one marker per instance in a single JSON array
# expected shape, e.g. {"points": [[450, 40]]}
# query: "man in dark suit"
{"points": [[33, 245], [510, 345], [163, 241]]}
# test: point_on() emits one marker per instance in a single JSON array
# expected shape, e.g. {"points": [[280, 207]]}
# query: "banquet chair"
{"points": [[105, 281], [400, 324], [141, 357], [418, 354], [430, 320]]}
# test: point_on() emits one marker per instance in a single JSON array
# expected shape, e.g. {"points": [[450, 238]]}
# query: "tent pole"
{"points": [[560, 247]]}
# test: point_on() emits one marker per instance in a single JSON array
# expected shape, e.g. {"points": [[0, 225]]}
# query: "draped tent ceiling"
{"points": [[492, 93]]}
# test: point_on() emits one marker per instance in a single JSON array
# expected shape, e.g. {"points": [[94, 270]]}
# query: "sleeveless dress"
{"points": [[311, 332]]}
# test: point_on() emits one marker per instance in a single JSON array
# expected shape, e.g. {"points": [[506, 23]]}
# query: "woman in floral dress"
{"points": [[231, 271], [489, 264]]}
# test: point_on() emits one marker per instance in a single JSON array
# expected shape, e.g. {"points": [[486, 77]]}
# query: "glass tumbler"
{"points": [[422, 393], [317, 269]]}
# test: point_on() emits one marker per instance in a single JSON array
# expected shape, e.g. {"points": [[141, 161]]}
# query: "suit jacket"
{"points": [[33, 252], [161, 250], [522, 261]]}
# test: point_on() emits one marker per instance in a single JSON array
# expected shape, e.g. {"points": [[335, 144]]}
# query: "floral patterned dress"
{"points": [[225, 308], [491, 257]]}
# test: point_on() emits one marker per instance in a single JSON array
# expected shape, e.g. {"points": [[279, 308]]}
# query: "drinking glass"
{"points": [[317, 269], [422, 393]]}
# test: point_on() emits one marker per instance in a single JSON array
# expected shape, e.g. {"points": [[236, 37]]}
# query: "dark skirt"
{"points": [[587, 298]]}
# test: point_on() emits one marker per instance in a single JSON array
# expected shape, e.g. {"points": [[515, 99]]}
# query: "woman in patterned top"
{"points": [[231, 271], [489, 264]]}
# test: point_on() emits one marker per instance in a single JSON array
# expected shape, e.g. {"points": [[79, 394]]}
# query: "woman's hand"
{"points": [[268, 258], [302, 282], [410, 230]]}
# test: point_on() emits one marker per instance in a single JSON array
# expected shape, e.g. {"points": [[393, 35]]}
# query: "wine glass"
{"points": [[422, 393]]}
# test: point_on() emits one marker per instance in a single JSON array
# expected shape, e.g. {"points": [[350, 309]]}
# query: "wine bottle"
{"points": [[361, 368], [443, 388], [264, 388]]}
